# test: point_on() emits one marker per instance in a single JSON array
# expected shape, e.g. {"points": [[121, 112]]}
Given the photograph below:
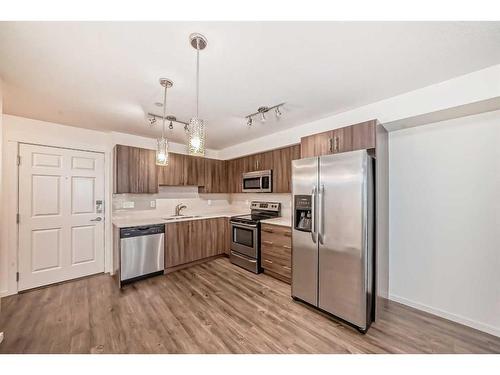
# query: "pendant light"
{"points": [[196, 128], [162, 142]]}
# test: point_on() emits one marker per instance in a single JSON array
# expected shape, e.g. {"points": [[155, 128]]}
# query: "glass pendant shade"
{"points": [[196, 137], [162, 151]]}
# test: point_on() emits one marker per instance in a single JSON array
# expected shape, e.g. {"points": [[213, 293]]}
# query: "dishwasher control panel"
{"points": [[142, 230]]}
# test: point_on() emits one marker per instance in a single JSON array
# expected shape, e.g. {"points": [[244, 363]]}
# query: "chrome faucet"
{"points": [[178, 209]]}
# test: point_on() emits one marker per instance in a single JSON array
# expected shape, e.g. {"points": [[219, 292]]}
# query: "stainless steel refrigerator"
{"points": [[333, 211]]}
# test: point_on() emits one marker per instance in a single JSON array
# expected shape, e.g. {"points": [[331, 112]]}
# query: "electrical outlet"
{"points": [[152, 204], [128, 204], [209, 202]]}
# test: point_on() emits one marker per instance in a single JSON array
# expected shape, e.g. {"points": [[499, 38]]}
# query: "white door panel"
{"points": [[58, 190]]}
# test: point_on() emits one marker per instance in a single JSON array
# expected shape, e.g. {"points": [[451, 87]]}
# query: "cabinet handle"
{"points": [[287, 247], [266, 230], [336, 144], [330, 144], [267, 242], [287, 268], [268, 261]]}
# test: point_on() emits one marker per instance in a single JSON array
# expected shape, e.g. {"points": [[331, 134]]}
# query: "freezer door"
{"points": [[344, 228], [304, 244]]}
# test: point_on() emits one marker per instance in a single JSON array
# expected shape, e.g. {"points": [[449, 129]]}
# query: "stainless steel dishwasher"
{"points": [[141, 252]]}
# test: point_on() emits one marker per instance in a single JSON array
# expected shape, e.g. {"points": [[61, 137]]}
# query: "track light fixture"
{"points": [[261, 111]]}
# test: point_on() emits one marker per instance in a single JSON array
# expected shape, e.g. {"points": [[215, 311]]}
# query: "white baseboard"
{"points": [[447, 315]]}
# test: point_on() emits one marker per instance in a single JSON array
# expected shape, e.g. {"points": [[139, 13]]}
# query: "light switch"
{"points": [[152, 204]]}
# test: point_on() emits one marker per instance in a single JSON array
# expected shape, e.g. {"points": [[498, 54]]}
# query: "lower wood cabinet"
{"points": [[276, 251], [189, 241]]}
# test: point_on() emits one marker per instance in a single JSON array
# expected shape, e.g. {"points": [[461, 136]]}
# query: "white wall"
{"points": [[18, 129], [445, 219]]}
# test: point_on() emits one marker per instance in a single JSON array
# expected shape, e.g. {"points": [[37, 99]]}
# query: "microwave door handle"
{"points": [[313, 214]]}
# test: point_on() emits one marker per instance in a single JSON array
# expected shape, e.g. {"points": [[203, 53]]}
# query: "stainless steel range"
{"points": [[245, 234]]}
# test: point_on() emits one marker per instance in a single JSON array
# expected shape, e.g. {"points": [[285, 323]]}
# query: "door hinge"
{"points": [[17, 276], [18, 218], [18, 159]]}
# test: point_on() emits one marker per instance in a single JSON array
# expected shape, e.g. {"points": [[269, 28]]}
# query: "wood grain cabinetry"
{"points": [[215, 176], [173, 173], [363, 135], [316, 144], [135, 170], [349, 138], [194, 172], [276, 251], [190, 241], [282, 168]]}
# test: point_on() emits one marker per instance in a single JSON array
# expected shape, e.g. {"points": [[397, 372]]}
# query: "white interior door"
{"points": [[61, 232]]}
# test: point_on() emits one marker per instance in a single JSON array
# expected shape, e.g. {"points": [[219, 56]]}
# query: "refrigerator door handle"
{"points": [[321, 194], [313, 214]]}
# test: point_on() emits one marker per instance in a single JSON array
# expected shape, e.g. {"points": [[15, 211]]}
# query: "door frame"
{"points": [[12, 206]]}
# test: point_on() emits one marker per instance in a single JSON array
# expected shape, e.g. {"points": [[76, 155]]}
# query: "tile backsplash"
{"points": [[169, 196]]}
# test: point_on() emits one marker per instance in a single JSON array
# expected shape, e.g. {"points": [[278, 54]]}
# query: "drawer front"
{"points": [[276, 229], [271, 264], [280, 255]]}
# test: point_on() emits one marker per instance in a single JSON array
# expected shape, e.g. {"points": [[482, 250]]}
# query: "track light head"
{"points": [[151, 120], [278, 112], [250, 122], [171, 126]]}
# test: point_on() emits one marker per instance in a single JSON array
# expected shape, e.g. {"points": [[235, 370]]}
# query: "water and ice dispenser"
{"points": [[303, 213]]}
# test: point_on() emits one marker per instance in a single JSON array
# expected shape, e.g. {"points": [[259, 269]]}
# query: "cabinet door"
{"points": [[236, 169], [316, 144], [282, 168], [135, 170], [148, 178], [176, 244], [194, 174], [216, 176], [121, 180], [363, 135], [173, 173], [341, 140]]}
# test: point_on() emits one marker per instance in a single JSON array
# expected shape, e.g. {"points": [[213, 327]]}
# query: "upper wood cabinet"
{"points": [[316, 144], [135, 170], [194, 174], [282, 168], [173, 174], [349, 138], [216, 176], [363, 135]]}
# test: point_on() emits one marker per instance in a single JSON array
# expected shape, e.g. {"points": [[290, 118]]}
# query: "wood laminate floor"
{"points": [[213, 307]]}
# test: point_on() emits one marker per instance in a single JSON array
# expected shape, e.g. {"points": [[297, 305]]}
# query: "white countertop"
{"points": [[156, 218], [282, 221]]}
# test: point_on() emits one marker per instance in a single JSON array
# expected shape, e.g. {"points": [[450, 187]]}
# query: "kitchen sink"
{"points": [[181, 217]]}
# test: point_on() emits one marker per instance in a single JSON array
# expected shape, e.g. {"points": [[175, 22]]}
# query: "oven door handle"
{"points": [[240, 225]]}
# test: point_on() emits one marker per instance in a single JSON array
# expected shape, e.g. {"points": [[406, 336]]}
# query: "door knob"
{"points": [[97, 219]]}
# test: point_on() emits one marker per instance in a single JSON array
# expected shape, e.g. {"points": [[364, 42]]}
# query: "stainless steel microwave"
{"points": [[258, 182]]}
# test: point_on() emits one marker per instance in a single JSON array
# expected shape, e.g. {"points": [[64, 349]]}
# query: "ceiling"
{"points": [[104, 75]]}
